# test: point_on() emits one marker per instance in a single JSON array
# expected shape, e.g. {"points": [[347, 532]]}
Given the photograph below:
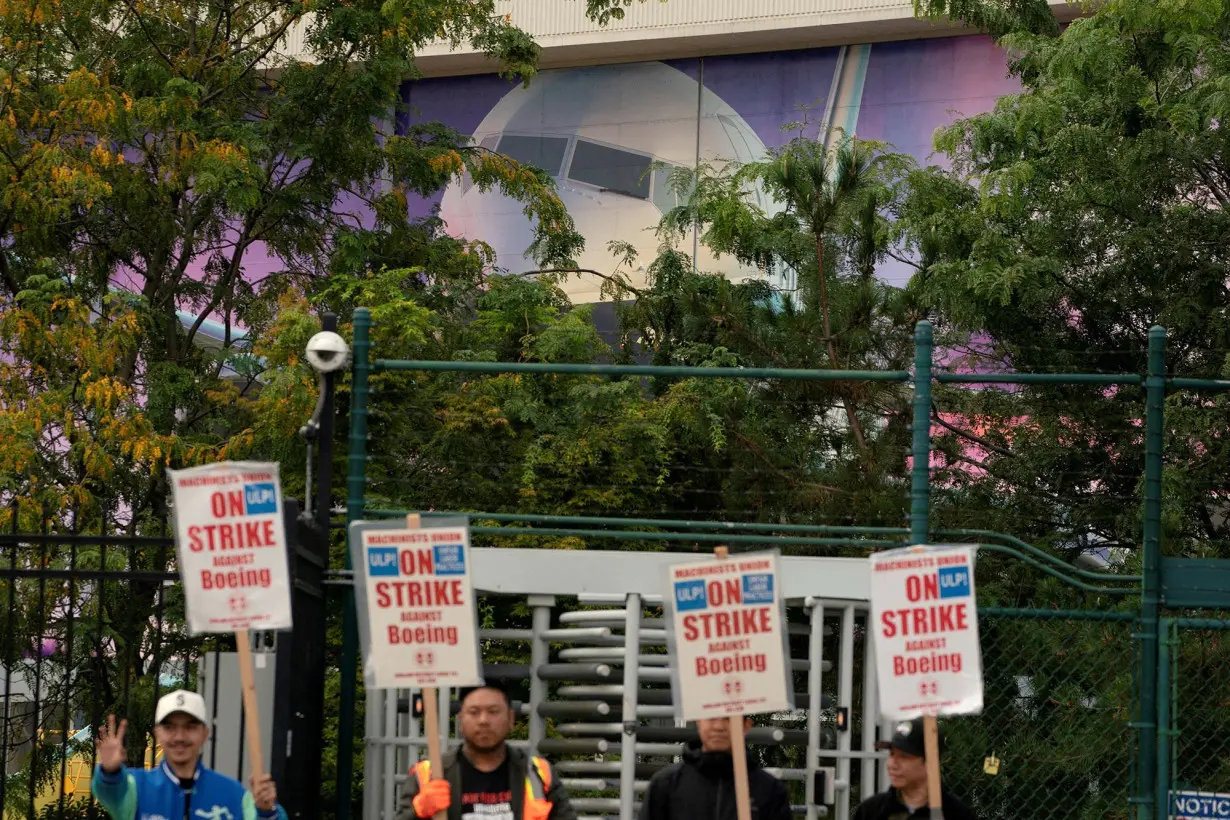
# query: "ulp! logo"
{"points": [[259, 499], [382, 561], [690, 595], [954, 582]]}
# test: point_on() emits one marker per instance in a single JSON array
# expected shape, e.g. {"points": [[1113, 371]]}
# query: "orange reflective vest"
{"points": [[537, 784]]}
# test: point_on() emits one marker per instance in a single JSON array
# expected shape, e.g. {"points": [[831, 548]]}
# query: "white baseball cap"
{"points": [[190, 703]]}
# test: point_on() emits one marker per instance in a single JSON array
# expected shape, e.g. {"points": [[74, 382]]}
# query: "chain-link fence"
{"points": [[1197, 654], [1055, 739], [1077, 706]]}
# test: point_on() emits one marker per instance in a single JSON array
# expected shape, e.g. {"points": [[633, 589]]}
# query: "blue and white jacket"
{"points": [[156, 794]]}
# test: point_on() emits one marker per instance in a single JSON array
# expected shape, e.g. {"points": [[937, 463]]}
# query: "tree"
{"points": [[1076, 215], [165, 150], [153, 159], [785, 450]]}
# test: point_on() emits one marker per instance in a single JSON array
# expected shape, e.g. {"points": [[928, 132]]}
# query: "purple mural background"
{"points": [[896, 92]]}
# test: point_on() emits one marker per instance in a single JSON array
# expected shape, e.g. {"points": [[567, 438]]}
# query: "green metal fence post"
{"points": [[1155, 397], [920, 474], [1167, 636], [356, 489]]}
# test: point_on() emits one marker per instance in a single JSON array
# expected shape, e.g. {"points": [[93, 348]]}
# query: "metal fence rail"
{"points": [[92, 625]]}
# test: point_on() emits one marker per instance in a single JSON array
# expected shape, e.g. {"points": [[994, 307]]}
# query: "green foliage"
{"points": [[78, 809], [604, 11], [996, 17], [153, 158], [1078, 214]]}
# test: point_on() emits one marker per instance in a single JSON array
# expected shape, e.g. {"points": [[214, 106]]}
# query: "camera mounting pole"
{"points": [[298, 720]]}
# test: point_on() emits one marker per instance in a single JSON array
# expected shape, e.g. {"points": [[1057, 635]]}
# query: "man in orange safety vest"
{"points": [[486, 779]]}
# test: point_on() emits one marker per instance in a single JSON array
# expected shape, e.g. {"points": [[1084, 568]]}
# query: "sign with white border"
{"points": [[924, 619], [231, 542], [1193, 805], [728, 640], [418, 621]]}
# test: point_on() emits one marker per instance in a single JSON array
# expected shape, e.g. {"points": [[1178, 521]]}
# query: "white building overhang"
{"points": [[679, 29]]}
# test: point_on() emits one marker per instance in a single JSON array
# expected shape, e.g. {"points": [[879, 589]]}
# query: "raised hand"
{"points": [[110, 745]]}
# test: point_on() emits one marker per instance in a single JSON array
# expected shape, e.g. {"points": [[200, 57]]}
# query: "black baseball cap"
{"points": [[908, 737]]}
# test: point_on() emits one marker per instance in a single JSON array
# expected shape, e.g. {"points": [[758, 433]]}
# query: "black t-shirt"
{"points": [[485, 795]]}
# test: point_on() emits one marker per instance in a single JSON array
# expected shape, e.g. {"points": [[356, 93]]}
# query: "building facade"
{"points": [[682, 82]]}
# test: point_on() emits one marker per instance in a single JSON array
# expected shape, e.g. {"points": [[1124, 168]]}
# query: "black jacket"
{"points": [[702, 787], [518, 762], [888, 806]]}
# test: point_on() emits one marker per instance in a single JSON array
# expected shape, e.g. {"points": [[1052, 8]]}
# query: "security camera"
{"points": [[327, 352]]}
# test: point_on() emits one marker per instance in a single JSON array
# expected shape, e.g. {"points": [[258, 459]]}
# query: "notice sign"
{"points": [[1188, 805], [421, 624], [231, 543], [728, 637], [925, 624]]}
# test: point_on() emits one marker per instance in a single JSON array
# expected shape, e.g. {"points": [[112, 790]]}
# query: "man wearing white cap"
{"points": [[181, 787]]}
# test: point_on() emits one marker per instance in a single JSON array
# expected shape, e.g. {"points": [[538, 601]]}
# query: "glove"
{"points": [[433, 798]]}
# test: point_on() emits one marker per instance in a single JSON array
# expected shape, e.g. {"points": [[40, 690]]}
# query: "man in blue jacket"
{"points": [[180, 787]]}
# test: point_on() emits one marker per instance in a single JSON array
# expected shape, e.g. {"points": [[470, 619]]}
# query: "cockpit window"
{"points": [[546, 153], [610, 168]]}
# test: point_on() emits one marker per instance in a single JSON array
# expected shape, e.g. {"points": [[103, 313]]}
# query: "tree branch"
{"points": [[965, 434], [613, 279]]}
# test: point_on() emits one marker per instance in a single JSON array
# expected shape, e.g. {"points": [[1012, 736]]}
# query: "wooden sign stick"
{"points": [[252, 726], [931, 745], [431, 706], [738, 748]]}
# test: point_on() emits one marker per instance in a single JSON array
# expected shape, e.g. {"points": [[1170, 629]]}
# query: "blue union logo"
{"points": [[758, 588], [260, 499], [690, 595], [382, 561], [954, 582], [450, 559]]}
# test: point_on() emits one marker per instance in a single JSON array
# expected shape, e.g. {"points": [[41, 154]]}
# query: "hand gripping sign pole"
{"points": [[231, 546], [418, 624], [928, 658], [728, 646]]}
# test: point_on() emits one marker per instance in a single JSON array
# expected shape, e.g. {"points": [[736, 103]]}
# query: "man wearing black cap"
{"points": [[907, 770]]}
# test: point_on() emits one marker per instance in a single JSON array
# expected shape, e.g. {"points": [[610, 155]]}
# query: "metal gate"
{"points": [[1078, 786]]}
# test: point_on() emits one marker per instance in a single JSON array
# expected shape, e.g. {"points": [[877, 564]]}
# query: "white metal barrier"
{"points": [[604, 706]]}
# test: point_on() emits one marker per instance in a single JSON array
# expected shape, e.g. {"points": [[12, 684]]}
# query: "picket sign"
{"points": [[726, 634], [230, 541], [418, 624], [928, 658]]}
